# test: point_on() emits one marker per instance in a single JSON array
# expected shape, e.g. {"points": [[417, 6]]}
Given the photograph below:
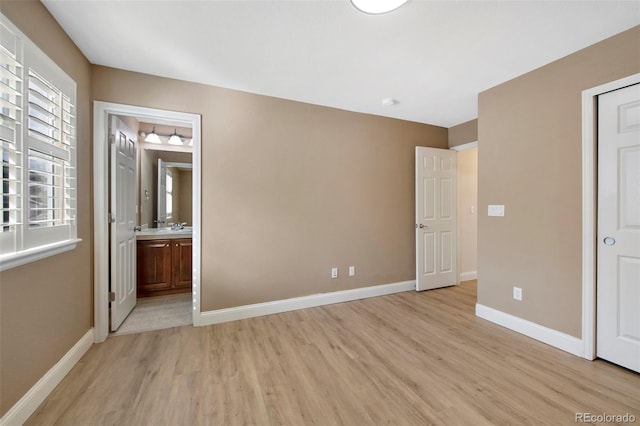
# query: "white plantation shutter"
{"points": [[169, 196], [37, 142], [50, 140], [11, 89]]}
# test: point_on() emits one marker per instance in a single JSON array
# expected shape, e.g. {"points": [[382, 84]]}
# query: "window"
{"points": [[37, 143], [169, 192]]}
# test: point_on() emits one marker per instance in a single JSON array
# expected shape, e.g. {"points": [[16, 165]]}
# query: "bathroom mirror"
{"points": [[173, 193], [165, 188]]}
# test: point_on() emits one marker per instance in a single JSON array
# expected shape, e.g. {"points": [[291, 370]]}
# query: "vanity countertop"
{"points": [[164, 233]]}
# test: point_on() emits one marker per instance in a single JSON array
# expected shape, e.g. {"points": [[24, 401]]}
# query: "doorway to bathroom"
{"points": [[164, 266], [163, 223]]}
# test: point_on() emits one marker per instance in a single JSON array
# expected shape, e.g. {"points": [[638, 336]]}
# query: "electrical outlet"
{"points": [[517, 293], [495, 210], [334, 272], [352, 271]]}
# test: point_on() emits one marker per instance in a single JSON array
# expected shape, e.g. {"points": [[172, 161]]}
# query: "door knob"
{"points": [[609, 241], [421, 226]]}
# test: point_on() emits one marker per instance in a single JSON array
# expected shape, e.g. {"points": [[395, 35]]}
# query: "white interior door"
{"points": [[618, 247], [436, 239], [162, 194], [123, 180]]}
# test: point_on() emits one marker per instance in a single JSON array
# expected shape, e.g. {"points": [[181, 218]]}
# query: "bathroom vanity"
{"points": [[164, 261]]}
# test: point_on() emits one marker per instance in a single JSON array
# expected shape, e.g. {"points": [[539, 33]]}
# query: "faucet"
{"points": [[178, 226]]}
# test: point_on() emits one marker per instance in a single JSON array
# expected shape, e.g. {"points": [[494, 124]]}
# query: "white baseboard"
{"points": [[27, 405], [286, 305], [563, 341], [466, 276]]}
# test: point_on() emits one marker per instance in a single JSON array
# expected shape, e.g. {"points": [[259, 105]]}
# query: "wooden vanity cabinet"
{"points": [[181, 263], [163, 267]]}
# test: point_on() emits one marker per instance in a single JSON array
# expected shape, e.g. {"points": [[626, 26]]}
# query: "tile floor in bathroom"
{"points": [[155, 313]]}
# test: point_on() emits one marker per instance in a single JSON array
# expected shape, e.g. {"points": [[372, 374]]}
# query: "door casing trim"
{"points": [[101, 111], [589, 208]]}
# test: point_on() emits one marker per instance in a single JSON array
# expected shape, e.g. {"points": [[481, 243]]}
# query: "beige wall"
{"points": [[463, 133], [132, 123], [530, 160], [468, 210], [46, 306], [175, 157], [291, 189]]}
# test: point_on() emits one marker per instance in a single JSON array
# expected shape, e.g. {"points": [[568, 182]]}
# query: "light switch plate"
{"points": [[517, 293], [495, 210]]}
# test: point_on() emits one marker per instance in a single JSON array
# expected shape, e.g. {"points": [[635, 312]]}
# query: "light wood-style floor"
{"points": [[404, 359]]}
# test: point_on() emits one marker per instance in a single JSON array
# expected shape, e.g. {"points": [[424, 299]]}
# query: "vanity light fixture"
{"points": [[175, 139], [191, 142], [153, 137], [376, 7]]}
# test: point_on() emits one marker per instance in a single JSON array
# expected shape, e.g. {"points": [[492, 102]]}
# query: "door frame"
{"points": [[101, 112], [589, 208], [458, 148]]}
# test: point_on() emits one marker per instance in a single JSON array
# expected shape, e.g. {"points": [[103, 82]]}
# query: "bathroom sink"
{"points": [[155, 233], [168, 230]]}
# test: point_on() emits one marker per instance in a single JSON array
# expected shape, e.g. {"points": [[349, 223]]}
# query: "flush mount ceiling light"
{"points": [[389, 102], [153, 137], [376, 7], [175, 139]]}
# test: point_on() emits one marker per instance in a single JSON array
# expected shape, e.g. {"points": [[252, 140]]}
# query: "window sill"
{"points": [[12, 260]]}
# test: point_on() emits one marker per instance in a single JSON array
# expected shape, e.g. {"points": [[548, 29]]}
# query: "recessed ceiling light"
{"points": [[389, 102], [376, 7]]}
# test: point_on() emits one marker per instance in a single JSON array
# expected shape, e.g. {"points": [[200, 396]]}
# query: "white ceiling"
{"points": [[432, 56]]}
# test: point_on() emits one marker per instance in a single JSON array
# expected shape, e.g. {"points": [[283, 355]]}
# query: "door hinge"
{"points": [[112, 296], [112, 218]]}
